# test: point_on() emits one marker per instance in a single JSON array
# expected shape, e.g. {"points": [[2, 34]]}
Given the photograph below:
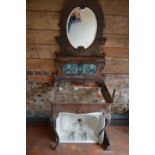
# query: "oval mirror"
{"points": [[81, 27]]}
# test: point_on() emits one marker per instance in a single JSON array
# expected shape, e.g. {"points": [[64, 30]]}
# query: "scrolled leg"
{"points": [[106, 143], [55, 137]]}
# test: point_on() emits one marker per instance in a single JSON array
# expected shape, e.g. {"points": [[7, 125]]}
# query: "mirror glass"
{"points": [[81, 27]]}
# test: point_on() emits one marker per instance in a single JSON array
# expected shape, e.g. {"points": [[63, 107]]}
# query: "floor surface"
{"points": [[39, 139]]}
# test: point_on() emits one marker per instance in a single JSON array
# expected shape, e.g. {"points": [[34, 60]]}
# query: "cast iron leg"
{"points": [[106, 143], [55, 138]]}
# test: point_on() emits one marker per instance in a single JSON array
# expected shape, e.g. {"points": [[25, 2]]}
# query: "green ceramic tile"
{"points": [[79, 69]]}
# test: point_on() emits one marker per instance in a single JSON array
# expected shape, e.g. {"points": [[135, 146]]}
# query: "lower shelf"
{"points": [[80, 128]]}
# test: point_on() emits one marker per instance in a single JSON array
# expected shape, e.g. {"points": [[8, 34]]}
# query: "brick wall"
{"points": [[42, 27], [38, 95], [38, 78]]}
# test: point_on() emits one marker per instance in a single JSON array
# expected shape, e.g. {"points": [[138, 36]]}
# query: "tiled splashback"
{"points": [[79, 69]]}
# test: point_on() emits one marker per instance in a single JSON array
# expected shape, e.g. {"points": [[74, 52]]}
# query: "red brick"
{"points": [[37, 73], [39, 78], [99, 96], [29, 73]]}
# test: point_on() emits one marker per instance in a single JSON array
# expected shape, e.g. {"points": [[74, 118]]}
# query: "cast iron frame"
{"points": [[68, 54]]}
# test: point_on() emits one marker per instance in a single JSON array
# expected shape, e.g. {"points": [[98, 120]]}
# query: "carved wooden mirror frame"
{"points": [[66, 48]]}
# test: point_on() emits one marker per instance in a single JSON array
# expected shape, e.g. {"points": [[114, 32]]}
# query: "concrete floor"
{"points": [[39, 138]]}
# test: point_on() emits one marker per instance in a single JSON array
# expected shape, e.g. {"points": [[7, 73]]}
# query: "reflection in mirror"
{"points": [[81, 27]]}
